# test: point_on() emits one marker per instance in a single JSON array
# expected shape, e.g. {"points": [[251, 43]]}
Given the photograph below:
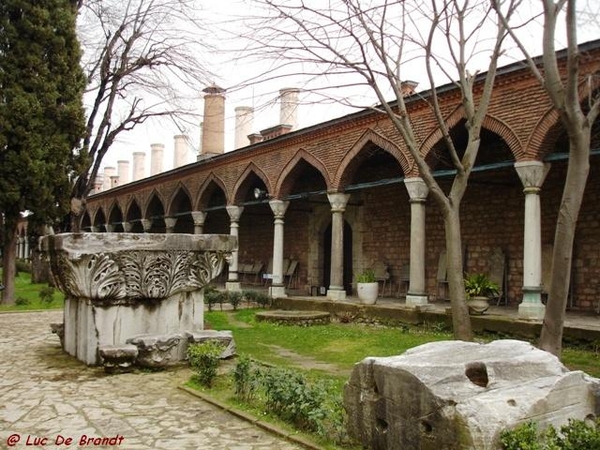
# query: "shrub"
{"points": [[22, 265], [262, 299], [47, 294], [576, 435], [212, 297], [204, 359], [245, 378], [234, 298], [22, 301], [291, 397], [250, 296]]}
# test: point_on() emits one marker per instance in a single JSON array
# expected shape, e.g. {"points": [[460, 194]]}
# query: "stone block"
{"points": [[224, 337], [158, 351], [461, 395], [118, 358]]}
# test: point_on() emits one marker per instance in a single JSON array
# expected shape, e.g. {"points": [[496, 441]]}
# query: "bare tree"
{"points": [[374, 44], [143, 60], [576, 97]]}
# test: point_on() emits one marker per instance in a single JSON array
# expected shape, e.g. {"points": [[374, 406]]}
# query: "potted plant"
{"points": [[479, 288], [367, 287]]}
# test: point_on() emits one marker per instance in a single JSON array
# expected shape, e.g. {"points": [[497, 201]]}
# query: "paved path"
{"points": [[45, 393]]}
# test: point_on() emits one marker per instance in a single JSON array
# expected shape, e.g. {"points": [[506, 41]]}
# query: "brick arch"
{"points": [[211, 178], [154, 193], [132, 201], [180, 187], [251, 168], [350, 160], [115, 205], [490, 123], [99, 211], [285, 180]]}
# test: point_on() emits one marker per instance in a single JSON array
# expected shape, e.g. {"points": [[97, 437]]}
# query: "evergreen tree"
{"points": [[41, 115]]}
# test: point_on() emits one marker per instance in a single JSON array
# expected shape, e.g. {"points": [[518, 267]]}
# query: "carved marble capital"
{"points": [[235, 212], [338, 201], [129, 268], [170, 223], [279, 207], [417, 189], [532, 174]]}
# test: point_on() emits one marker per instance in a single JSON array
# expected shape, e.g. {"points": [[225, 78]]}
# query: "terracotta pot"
{"points": [[368, 292]]}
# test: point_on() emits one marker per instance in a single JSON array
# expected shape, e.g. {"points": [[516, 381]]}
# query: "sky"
{"points": [[263, 97]]}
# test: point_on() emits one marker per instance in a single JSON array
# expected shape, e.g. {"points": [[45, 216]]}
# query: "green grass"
{"points": [[24, 288]]}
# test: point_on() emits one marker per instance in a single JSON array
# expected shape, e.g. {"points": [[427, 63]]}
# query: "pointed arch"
{"points": [[152, 199], [206, 189], [180, 189], [115, 216], [245, 178], [286, 179], [133, 210], [490, 123], [86, 221], [353, 157], [99, 220]]}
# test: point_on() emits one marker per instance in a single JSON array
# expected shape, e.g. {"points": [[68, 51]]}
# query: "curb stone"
{"points": [[274, 429]]}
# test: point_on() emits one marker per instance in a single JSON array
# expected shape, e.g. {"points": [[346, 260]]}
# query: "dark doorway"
{"points": [[347, 257]]}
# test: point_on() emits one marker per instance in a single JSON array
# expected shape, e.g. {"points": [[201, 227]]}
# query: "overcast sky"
{"points": [[225, 14]]}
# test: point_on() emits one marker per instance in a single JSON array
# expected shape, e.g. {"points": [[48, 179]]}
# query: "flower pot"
{"points": [[367, 292], [478, 304]]}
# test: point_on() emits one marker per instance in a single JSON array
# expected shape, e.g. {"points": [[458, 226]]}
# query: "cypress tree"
{"points": [[41, 115]]}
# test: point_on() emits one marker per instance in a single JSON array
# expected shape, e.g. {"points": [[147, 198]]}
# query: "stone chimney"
{"points": [[244, 117], [156, 158], [213, 129], [139, 165], [289, 107], [109, 172], [180, 153], [114, 181], [98, 183], [123, 171]]}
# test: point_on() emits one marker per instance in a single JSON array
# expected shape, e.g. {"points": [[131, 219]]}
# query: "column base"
{"points": [[277, 292], [233, 286], [416, 299], [336, 294], [531, 308]]}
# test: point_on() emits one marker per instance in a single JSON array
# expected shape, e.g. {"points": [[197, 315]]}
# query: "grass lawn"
{"points": [[30, 293]]}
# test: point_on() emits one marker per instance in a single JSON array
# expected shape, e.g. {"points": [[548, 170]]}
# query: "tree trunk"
{"points": [[461, 322], [78, 206], [562, 257], [9, 258]]}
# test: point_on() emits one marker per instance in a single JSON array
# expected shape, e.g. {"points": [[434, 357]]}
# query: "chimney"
{"points": [[156, 158], [255, 138], [213, 129], [180, 153], [408, 87], [114, 181], [98, 182], [139, 165], [109, 172], [123, 171], [244, 116], [289, 106]]}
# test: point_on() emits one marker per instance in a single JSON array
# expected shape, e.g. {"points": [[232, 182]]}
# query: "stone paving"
{"points": [[48, 397]]}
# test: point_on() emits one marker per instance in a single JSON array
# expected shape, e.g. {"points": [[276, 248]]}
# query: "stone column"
{"points": [[26, 243], [127, 226], [147, 224], [198, 217], [109, 227], [235, 212], [170, 223], [279, 208], [338, 203], [532, 175], [417, 191]]}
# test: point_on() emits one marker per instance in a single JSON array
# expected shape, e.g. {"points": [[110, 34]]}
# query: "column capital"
{"points": [[147, 224], [532, 173], [198, 217], [417, 189], [127, 226], [109, 227], [235, 212], [279, 207], [170, 223], [338, 201]]}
